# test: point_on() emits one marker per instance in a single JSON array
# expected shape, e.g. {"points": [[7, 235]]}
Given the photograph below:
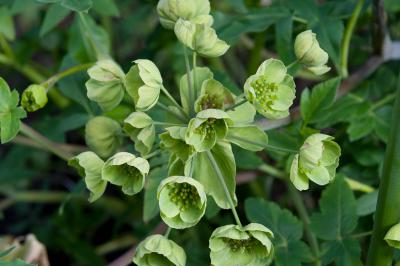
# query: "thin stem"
{"points": [[55, 78], [347, 37], [389, 98], [169, 229], [292, 64], [169, 96], [300, 20], [233, 106], [222, 181], [194, 76], [190, 84], [43, 141], [6, 47], [166, 124], [361, 235], [150, 155], [177, 116], [265, 145]]}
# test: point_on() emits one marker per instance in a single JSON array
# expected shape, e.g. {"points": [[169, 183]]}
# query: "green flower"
{"points": [[157, 250], [317, 161], [34, 98], [173, 140], [182, 201], [143, 84], [89, 166], [309, 53], [126, 170], [200, 38], [241, 246], [213, 95], [106, 84], [271, 90], [139, 126], [392, 237], [103, 135], [209, 126], [171, 10]]}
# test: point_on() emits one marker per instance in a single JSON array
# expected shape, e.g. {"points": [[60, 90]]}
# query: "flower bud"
{"points": [[241, 246], [106, 84], [309, 53], [271, 90], [157, 250], [317, 161], [200, 38], [209, 126], [171, 10], [139, 127], [89, 166], [182, 201], [126, 170], [392, 237], [143, 84], [34, 98], [103, 135]]}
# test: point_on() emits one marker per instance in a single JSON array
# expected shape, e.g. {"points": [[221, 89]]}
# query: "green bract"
{"points": [[103, 135], [317, 161], [309, 53], [271, 90], [126, 170], [143, 84], [156, 250], [209, 126], [106, 84], [213, 95], [392, 237], [182, 201], [34, 98], [171, 10], [200, 38], [241, 246], [139, 126], [89, 166]]}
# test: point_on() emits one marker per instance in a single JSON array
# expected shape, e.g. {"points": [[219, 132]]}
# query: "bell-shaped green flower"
{"points": [[182, 201], [173, 140], [143, 84], [139, 127], [106, 84], [157, 250], [206, 128], [271, 90], [34, 98], [309, 53], [126, 170], [392, 237], [89, 166], [171, 10], [241, 246], [200, 38], [317, 161], [103, 135], [213, 95]]}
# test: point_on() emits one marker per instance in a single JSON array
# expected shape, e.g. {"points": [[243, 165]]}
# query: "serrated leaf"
{"points": [[77, 5], [284, 40], [287, 229], [382, 122], [7, 24], [150, 202], [54, 15]]}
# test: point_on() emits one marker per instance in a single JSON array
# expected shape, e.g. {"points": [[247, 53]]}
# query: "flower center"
{"points": [[265, 92], [210, 102], [183, 195], [207, 128], [131, 171], [241, 244]]}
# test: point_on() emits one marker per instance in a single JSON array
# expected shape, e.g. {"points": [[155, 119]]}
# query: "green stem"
{"points": [[267, 146], [150, 155], [233, 106], [169, 96], [166, 235], [222, 181], [190, 83], [49, 83], [387, 211], [194, 75], [384, 101], [166, 124], [177, 116], [6, 47], [43, 141], [292, 64], [347, 37], [361, 235]]}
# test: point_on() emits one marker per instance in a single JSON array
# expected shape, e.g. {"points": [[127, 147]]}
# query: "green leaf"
{"points": [[287, 229], [284, 40], [106, 8], [54, 15], [10, 114], [366, 204], [246, 159], [335, 222], [204, 172], [382, 122], [7, 24], [314, 104], [48, 1], [77, 5], [248, 137], [361, 127], [16, 262], [150, 203]]}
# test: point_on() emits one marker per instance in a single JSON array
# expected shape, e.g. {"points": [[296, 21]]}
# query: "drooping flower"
{"points": [[271, 90], [206, 128], [34, 98], [126, 170], [200, 38], [106, 84], [139, 127], [143, 84], [309, 53], [182, 201], [317, 161], [196, 11], [213, 95], [103, 135], [241, 246], [392, 237], [157, 250]]}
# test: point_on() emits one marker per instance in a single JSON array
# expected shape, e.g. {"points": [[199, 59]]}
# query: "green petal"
{"points": [[299, 180], [273, 69], [192, 215], [285, 96], [167, 207], [319, 175]]}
